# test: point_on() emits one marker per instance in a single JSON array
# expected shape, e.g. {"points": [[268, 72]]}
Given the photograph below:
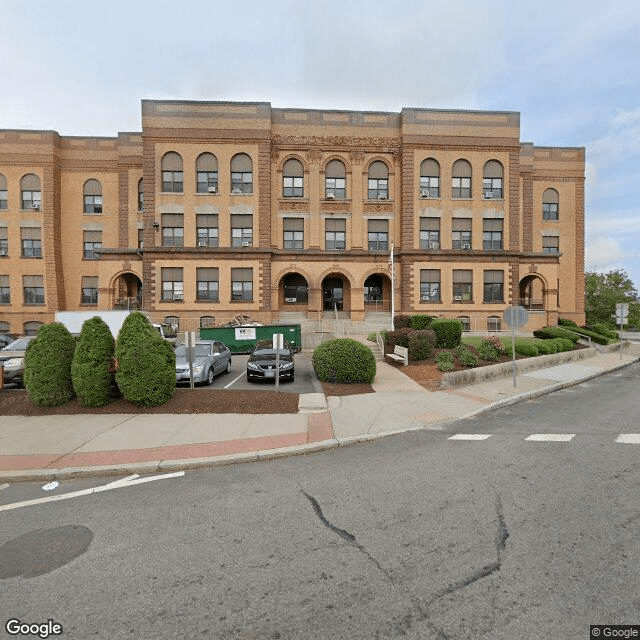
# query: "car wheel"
{"points": [[210, 376], [228, 369]]}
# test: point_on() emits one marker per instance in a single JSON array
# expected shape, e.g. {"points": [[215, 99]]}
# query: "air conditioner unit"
{"points": [[434, 245], [178, 296], [424, 193], [424, 297], [237, 191], [457, 298], [246, 244], [488, 194], [330, 196], [290, 299], [3, 252], [466, 246], [382, 196], [35, 206], [202, 244], [212, 189]]}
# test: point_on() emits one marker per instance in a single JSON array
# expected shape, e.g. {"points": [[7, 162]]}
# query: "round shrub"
{"points": [[146, 372], [444, 361], [420, 321], [344, 361], [448, 333], [563, 344], [47, 372], [497, 344], [566, 323], [465, 356], [421, 344], [398, 337], [92, 379], [488, 351], [401, 321], [526, 349], [546, 347]]}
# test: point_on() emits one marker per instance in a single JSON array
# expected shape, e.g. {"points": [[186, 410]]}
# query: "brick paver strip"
{"points": [[320, 427]]}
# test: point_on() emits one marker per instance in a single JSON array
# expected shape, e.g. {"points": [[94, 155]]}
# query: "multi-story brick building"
{"points": [[222, 209]]}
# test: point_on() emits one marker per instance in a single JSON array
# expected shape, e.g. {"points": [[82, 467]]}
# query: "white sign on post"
{"points": [[278, 343]]}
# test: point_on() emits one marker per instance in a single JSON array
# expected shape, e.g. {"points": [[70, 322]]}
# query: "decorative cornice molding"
{"points": [[335, 141]]}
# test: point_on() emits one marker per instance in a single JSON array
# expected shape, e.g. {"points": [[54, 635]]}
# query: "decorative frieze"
{"points": [[370, 207]]}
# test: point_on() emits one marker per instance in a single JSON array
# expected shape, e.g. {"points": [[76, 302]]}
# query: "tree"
{"points": [[604, 290]]}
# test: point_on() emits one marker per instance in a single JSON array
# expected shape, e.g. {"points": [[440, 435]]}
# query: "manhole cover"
{"points": [[43, 550]]}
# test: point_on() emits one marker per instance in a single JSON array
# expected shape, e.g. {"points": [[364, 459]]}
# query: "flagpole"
{"points": [[392, 289]]}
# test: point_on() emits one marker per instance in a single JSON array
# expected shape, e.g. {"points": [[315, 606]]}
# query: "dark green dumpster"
{"points": [[241, 339]]}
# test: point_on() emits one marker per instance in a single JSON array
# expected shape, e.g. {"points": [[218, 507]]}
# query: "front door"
{"points": [[332, 294]]}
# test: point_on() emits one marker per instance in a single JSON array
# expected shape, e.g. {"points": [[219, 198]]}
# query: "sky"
{"points": [[572, 70]]}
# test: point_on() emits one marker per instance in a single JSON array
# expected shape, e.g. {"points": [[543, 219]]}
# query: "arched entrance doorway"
{"points": [[377, 293], [127, 291], [532, 293], [335, 293], [294, 290]]}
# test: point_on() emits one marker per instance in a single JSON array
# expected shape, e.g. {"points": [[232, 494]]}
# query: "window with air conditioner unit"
{"points": [[382, 196], [246, 244], [177, 296], [237, 191], [330, 196], [457, 298], [424, 193], [202, 244], [466, 246], [434, 245], [212, 189]]}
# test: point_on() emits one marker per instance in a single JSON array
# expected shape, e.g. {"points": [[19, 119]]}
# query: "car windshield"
{"points": [[202, 351], [271, 352], [18, 345]]}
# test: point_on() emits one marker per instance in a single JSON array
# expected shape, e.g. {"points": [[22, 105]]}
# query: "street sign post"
{"points": [[278, 343], [622, 317], [190, 338], [515, 317]]}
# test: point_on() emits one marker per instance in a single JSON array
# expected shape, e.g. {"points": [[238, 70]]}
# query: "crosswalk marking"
{"points": [[550, 437], [470, 436], [624, 438], [629, 438]]}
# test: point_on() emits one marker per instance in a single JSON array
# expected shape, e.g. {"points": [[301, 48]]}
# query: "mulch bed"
{"points": [[346, 389]]}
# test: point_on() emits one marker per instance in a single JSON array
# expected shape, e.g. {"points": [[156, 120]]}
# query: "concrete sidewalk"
{"points": [[56, 447]]}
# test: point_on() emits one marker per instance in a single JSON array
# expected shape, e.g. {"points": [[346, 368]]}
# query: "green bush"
{"points": [[372, 336], [466, 357], [93, 382], [420, 321], [398, 337], [495, 342], [605, 331], [448, 333], [146, 372], [525, 348], [546, 347], [444, 361], [344, 360], [595, 337], [488, 351], [556, 332], [47, 373], [563, 322], [563, 344], [400, 322], [421, 343]]}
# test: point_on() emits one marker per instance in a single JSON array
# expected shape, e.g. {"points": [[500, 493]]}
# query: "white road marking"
{"points": [[116, 484], [236, 380], [470, 436], [551, 437], [3, 486], [628, 438]]}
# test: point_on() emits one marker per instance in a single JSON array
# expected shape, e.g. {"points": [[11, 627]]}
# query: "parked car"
{"points": [[12, 359], [261, 364], [5, 339], [210, 358]]}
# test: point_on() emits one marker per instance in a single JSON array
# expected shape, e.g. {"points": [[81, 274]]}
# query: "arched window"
{"points": [[92, 197], [241, 174], [4, 203], [4, 327], [335, 181], [172, 176], [31, 328], [429, 178], [174, 325], [293, 179], [30, 188], [494, 323], [141, 195], [461, 179], [207, 322], [550, 201], [207, 173], [492, 179], [466, 322], [378, 181]]}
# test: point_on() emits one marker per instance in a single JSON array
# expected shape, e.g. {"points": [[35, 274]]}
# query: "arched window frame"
{"points": [[172, 172], [92, 196], [141, 194], [492, 180], [4, 200], [293, 178], [207, 173], [429, 178], [550, 205], [461, 175], [31, 194], [241, 174], [378, 180], [335, 180]]}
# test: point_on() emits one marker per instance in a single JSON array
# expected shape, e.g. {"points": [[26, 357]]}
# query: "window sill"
{"points": [[31, 257], [207, 193], [92, 213], [34, 304], [501, 199], [201, 301], [173, 301], [172, 193], [240, 301], [241, 194], [501, 302], [429, 197]]}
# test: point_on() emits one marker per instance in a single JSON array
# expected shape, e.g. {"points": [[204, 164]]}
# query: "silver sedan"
{"points": [[210, 358]]}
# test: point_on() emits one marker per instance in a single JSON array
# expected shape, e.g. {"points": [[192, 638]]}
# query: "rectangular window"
{"points": [[4, 241], [429, 285], [207, 182], [429, 233], [31, 242], [494, 323], [494, 286], [172, 284], [93, 204], [207, 284], [241, 182], [335, 188], [241, 284], [140, 238], [33, 289], [140, 200], [462, 285], [378, 236], [89, 290], [31, 200], [4, 203], [378, 189], [492, 234], [5, 291], [292, 186], [549, 210], [460, 187], [335, 234], [429, 187], [172, 230], [241, 230], [492, 188], [293, 233], [461, 233], [92, 243], [550, 244], [207, 229], [172, 181]]}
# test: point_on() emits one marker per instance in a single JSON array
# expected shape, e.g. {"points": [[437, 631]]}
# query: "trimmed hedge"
{"points": [[93, 382], [444, 361], [398, 337], [47, 372], [421, 343], [448, 333], [605, 331], [420, 321], [526, 349], [564, 322], [401, 321], [146, 372], [596, 337], [563, 344], [466, 357], [344, 361], [556, 332], [546, 347]]}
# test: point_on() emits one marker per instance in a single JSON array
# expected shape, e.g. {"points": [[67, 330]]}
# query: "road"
{"points": [[414, 536]]}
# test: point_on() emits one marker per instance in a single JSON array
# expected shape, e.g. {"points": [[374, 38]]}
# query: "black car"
{"points": [[261, 364]]}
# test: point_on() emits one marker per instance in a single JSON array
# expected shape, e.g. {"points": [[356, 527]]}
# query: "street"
{"points": [[414, 536]]}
